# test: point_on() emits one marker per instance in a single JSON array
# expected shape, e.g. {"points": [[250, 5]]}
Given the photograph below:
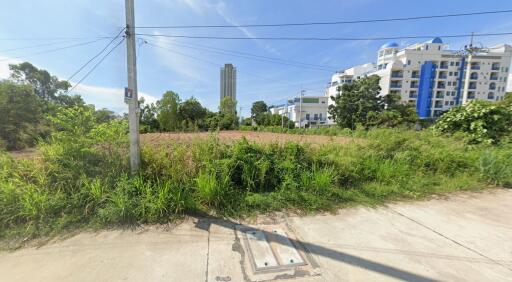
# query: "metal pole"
{"points": [[133, 104]]}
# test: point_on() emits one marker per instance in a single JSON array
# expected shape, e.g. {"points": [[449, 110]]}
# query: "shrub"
{"points": [[481, 121]]}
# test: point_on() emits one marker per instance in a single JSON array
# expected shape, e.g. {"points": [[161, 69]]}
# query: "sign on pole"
{"points": [[128, 94]]}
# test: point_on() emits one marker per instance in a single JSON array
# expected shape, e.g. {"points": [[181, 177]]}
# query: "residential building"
{"points": [[433, 78], [311, 111], [346, 77], [228, 82]]}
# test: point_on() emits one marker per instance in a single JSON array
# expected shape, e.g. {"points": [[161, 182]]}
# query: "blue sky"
{"points": [[161, 69]]}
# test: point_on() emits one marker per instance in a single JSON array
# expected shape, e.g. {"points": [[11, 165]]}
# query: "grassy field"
{"points": [[83, 181]]}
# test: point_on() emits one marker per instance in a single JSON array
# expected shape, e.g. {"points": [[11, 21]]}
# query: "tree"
{"points": [[192, 110], [481, 121], [104, 115], [168, 117], [46, 86], [228, 106], [21, 115], [147, 118], [355, 101], [258, 107]]}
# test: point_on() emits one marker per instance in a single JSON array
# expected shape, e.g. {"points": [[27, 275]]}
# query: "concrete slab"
{"points": [[177, 255], [380, 245], [463, 238]]}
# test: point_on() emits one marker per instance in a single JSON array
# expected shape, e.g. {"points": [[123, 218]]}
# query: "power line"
{"points": [[95, 66], [96, 56], [325, 38], [378, 20], [56, 49], [50, 38], [257, 57], [34, 46]]}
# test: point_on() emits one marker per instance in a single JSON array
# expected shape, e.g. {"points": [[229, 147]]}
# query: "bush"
{"points": [[480, 121]]}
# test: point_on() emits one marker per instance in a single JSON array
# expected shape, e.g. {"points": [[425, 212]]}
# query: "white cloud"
{"points": [[102, 97], [203, 6], [4, 66], [108, 97]]}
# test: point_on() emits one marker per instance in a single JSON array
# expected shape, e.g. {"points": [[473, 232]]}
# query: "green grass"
{"points": [[77, 184]]}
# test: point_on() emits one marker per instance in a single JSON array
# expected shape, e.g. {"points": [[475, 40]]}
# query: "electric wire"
{"points": [[378, 20], [97, 55], [328, 38], [95, 66]]}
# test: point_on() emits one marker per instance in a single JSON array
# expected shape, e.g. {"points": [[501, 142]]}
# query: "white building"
{"points": [[346, 77], [433, 77], [311, 111]]}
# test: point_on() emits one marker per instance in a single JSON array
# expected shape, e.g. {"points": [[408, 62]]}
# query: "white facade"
{"points": [[312, 111], [346, 77], [433, 77]]}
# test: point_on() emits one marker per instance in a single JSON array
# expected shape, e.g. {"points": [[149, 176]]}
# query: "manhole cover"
{"points": [[273, 250]]}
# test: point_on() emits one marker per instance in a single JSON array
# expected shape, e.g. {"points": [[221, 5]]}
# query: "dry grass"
{"points": [[231, 136]]}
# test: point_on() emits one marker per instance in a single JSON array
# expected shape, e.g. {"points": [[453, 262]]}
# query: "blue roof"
{"points": [[389, 45], [436, 40]]}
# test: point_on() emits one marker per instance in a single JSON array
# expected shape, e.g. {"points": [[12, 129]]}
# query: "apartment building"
{"points": [[434, 78], [305, 111], [228, 82]]}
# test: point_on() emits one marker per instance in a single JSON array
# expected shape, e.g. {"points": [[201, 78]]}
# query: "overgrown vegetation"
{"points": [[480, 121], [82, 178]]}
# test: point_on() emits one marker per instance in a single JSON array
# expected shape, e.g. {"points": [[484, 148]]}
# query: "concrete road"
{"points": [[466, 237]]}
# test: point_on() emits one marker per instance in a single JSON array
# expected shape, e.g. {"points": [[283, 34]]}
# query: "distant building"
{"points": [[432, 77], [311, 112], [228, 82]]}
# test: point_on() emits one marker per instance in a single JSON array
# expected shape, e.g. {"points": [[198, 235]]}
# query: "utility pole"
{"points": [[470, 50], [300, 107], [133, 104]]}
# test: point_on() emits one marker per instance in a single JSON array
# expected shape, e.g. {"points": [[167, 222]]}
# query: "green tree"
{"points": [[21, 115], [481, 121], [147, 118], [104, 115], [258, 107], [192, 110], [356, 101], [167, 116], [228, 106], [46, 86]]}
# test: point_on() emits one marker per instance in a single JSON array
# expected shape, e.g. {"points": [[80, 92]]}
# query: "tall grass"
{"points": [[84, 180]]}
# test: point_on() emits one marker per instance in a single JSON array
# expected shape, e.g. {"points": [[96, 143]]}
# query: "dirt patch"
{"points": [[231, 136]]}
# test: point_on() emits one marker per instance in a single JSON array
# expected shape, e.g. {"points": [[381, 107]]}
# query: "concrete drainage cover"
{"points": [[272, 251]]}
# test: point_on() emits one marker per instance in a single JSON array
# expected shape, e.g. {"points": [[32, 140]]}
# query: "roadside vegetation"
{"points": [[81, 178]]}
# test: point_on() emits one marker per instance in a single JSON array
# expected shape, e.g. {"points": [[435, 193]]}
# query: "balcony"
{"points": [[395, 85], [415, 74], [439, 95], [443, 65], [475, 66], [397, 74], [494, 76], [473, 75], [413, 95], [441, 85], [492, 86], [414, 84], [438, 104], [471, 95], [491, 96], [442, 76], [472, 85], [495, 67]]}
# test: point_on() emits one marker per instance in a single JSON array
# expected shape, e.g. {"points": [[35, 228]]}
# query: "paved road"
{"points": [[467, 237]]}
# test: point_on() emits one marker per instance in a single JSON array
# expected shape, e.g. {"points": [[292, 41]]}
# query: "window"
{"points": [[315, 117], [452, 63], [457, 64], [456, 73], [307, 116], [320, 116], [408, 62], [450, 73], [426, 47]]}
